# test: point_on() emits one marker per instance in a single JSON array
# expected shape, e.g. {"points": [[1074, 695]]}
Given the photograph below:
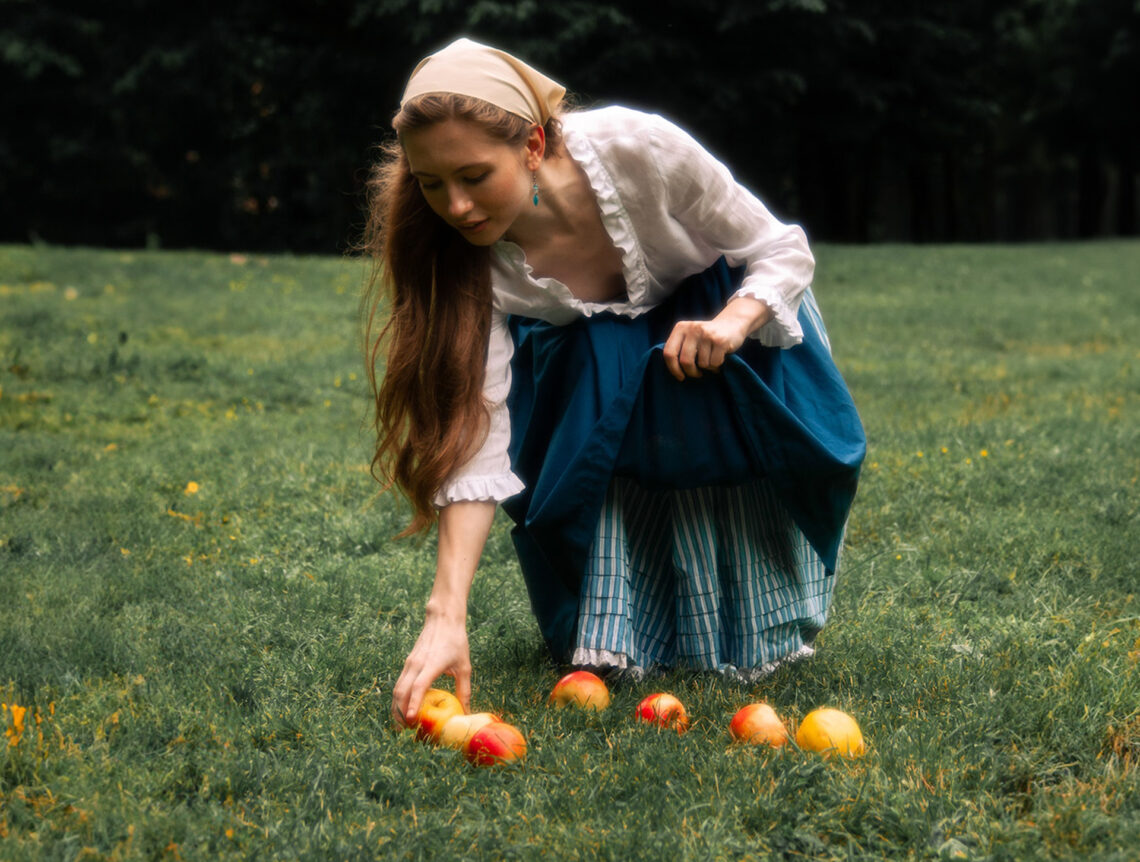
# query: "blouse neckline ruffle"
{"points": [[617, 224]]}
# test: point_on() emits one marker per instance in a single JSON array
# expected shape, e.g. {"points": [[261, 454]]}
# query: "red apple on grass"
{"points": [[757, 723], [581, 689], [494, 743], [664, 710]]}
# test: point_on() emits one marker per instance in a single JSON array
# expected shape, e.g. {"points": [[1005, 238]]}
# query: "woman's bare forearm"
{"points": [[463, 531]]}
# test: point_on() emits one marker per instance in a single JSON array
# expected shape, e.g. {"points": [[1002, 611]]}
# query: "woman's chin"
{"points": [[482, 240]]}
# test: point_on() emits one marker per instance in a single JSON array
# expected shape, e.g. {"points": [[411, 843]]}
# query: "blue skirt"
{"points": [[593, 405]]}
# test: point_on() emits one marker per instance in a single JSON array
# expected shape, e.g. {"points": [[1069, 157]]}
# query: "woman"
{"points": [[566, 338]]}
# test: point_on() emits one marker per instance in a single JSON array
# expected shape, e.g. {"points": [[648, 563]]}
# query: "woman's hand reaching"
{"points": [[702, 345], [441, 649]]}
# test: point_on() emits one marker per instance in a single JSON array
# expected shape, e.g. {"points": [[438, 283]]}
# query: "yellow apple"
{"points": [[437, 707], [830, 730], [458, 730], [581, 689]]}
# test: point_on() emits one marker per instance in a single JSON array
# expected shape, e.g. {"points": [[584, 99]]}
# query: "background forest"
{"points": [[250, 125]]}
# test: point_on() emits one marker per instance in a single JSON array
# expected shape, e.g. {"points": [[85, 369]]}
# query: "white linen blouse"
{"points": [[672, 210]]}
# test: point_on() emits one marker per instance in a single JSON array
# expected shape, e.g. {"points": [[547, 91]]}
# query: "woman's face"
{"points": [[477, 184]]}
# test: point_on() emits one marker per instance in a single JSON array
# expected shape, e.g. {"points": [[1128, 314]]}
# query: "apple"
{"points": [[664, 710], [497, 742], [437, 707], [758, 724], [581, 689], [830, 730], [458, 730]]}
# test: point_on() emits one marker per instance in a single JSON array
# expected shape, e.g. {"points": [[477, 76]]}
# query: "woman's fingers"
{"points": [[407, 698], [681, 350], [409, 693], [463, 687], [402, 695], [419, 688], [715, 358], [672, 351], [693, 346], [440, 649]]}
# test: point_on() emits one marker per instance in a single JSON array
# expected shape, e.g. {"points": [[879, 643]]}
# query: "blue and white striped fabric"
{"points": [[810, 316], [715, 578]]}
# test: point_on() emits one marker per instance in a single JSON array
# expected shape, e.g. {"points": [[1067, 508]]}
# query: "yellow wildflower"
{"points": [[17, 729], [191, 488]]}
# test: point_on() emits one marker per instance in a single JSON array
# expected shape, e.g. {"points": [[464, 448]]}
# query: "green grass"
{"points": [[212, 670]]}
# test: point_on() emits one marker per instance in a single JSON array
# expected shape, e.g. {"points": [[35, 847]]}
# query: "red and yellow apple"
{"points": [[664, 710], [496, 742], [830, 730], [437, 707], [757, 723], [581, 689], [458, 730]]}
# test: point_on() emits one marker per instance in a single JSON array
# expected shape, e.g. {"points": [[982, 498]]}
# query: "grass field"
{"points": [[203, 615]]}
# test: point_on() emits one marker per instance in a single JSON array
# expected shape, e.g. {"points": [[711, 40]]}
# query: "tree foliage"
{"points": [[251, 124]]}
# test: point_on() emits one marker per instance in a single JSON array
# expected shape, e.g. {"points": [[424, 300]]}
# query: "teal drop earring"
{"points": [[534, 188]]}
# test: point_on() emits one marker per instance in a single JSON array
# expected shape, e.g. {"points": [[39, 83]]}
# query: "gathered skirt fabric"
{"points": [[693, 522]]}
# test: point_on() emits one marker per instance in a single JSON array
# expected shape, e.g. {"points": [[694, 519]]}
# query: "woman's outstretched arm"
{"points": [[442, 645]]}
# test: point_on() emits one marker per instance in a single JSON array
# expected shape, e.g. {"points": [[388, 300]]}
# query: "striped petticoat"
{"points": [[714, 578]]}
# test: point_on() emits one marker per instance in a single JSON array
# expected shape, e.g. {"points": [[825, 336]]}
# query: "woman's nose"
{"points": [[458, 203]]}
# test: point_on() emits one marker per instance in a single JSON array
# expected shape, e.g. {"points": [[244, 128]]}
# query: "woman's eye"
{"points": [[478, 179], [429, 185]]}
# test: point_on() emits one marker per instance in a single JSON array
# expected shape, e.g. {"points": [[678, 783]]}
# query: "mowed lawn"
{"points": [[202, 612]]}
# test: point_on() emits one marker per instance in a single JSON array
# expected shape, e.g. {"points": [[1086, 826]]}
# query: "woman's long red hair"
{"points": [[430, 417]]}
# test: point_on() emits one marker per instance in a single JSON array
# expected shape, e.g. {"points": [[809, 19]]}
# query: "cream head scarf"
{"points": [[470, 69]]}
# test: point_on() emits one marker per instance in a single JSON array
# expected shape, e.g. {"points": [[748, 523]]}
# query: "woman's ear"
{"points": [[535, 148]]}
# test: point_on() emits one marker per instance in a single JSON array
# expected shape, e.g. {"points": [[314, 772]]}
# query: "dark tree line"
{"points": [[251, 124]]}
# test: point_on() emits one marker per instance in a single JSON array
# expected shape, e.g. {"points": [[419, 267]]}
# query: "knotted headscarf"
{"points": [[468, 68]]}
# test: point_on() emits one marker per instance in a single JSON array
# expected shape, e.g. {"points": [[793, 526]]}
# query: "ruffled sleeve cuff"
{"points": [[494, 488], [784, 329]]}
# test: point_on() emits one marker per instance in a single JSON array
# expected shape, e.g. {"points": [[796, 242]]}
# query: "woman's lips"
{"points": [[472, 227]]}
